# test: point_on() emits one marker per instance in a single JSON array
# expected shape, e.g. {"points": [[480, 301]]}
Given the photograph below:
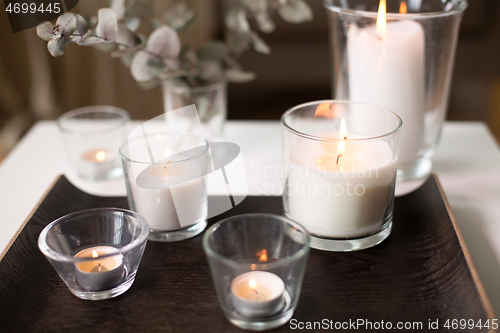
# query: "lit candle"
{"points": [[98, 161], [101, 273], [257, 294], [171, 196], [387, 69], [342, 188]]}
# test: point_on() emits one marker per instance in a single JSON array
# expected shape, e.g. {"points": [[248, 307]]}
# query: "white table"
{"points": [[467, 164]]}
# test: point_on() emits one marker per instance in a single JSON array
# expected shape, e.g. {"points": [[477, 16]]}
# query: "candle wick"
{"points": [[338, 156]]}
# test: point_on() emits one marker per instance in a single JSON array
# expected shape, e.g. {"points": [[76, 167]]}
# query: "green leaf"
{"points": [[126, 37], [264, 22], [107, 25], [178, 17], [132, 22], [118, 6], [259, 45], [44, 30], [123, 52], [145, 67], [296, 11], [164, 42], [236, 42], [238, 76], [256, 5], [57, 46], [236, 20], [82, 31], [67, 24]]}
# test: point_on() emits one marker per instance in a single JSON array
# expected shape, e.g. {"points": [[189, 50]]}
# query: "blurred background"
{"points": [[36, 86]]}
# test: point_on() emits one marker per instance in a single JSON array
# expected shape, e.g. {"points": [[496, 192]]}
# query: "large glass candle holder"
{"points": [[97, 251], [257, 263], [398, 55], [340, 165], [164, 176], [92, 136]]}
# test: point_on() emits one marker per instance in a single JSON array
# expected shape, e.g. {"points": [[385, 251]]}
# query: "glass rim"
{"points": [[60, 257], [122, 155], [458, 7], [300, 253], [109, 109], [319, 138], [197, 89]]}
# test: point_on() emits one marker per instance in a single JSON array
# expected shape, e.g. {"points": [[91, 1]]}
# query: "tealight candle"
{"points": [[98, 161], [257, 294], [101, 273]]}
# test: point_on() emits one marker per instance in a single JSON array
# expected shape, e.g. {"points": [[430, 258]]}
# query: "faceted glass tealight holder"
{"points": [[257, 263], [400, 59], [97, 251], [164, 175], [92, 136], [340, 167]]}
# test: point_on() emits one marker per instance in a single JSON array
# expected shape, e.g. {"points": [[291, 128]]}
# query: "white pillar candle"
{"points": [[98, 161], [171, 196], [387, 69], [257, 294], [101, 273], [340, 200]]}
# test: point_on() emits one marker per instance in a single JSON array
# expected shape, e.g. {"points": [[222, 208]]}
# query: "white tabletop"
{"points": [[467, 164]]}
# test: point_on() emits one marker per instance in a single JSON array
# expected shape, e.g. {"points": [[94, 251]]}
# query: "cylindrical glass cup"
{"points": [[257, 263], [96, 251], [340, 165], [92, 136], [210, 101], [164, 175], [399, 61]]}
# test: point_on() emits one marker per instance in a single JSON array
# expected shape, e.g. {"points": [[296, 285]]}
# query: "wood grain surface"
{"points": [[419, 273]]}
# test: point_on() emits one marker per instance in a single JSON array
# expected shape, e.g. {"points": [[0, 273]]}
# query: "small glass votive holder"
{"points": [[257, 263], [96, 251], [164, 176], [340, 167], [92, 136]]}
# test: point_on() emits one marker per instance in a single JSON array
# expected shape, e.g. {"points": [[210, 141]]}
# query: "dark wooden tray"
{"points": [[421, 272]]}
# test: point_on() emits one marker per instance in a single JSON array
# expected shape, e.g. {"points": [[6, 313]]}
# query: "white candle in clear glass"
{"points": [[98, 161], [345, 199], [101, 273], [387, 69], [171, 196], [257, 294]]}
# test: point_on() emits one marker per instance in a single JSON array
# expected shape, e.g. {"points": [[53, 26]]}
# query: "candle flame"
{"points": [[100, 156], [253, 284], [402, 8], [342, 137], [94, 254], [381, 20], [262, 255]]}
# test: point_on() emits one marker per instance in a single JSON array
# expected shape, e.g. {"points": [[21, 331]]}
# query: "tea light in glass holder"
{"points": [[101, 273], [258, 294]]}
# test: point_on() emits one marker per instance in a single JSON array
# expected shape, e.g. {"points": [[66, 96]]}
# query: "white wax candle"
{"points": [[170, 196], [257, 294], [387, 69], [101, 273], [98, 161], [343, 200]]}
